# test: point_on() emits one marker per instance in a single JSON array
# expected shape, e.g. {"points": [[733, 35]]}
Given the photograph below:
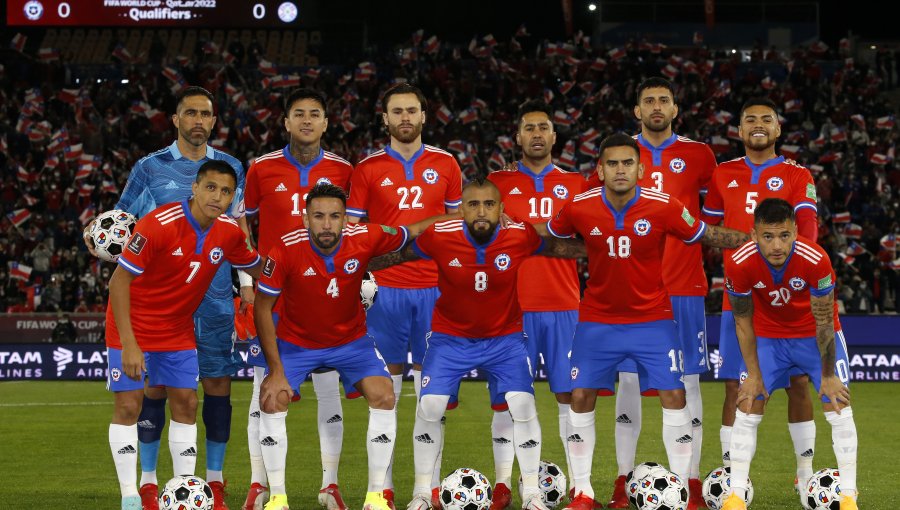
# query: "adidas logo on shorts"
{"points": [[386, 182], [268, 441], [334, 419], [190, 452], [501, 440], [126, 450], [381, 439], [531, 443], [425, 438], [575, 438], [623, 418]]}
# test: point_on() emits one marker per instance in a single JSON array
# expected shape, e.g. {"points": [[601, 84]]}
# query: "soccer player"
{"points": [[681, 168], [162, 177], [163, 275], [318, 271], [736, 189], [405, 182], [478, 324], [626, 312], [549, 290], [781, 288], [277, 184]]}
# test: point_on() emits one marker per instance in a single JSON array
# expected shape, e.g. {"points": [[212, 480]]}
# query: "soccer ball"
{"points": [[368, 291], [717, 488], [633, 478], [552, 482], [823, 490], [466, 489], [110, 232], [186, 493], [661, 490]]}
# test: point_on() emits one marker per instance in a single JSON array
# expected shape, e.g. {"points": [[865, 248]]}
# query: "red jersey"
{"points": [[477, 282], [276, 188], [682, 168], [625, 252], [174, 261], [738, 186], [781, 298], [547, 284], [393, 191], [323, 290]]}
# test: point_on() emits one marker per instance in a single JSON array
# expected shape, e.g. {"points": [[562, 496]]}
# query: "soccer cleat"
{"points": [[389, 497], [419, 502], [695, 501], [277, 502], [619, 499], [734, 502], [582, 502], [132, 503], [330, 498], [218, 490], [534, 502], [149, 496], [502, 497], [375, 501], [436, 498], [256, 497], [848, 503], [796, 485]]}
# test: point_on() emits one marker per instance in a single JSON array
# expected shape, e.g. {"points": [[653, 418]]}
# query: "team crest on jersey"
{"points": [[574, 373], [254, 350], [137, 243], [216, 254], [502, 262], [561, 191], [775, 183], [797, 283], [116, 374], [425, 381], [351, 266], [744, 376], [323, 180], [430, 175], [677, 165], [642, 227]]}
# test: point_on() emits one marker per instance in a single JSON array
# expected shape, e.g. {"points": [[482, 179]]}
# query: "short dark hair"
{"points": [[652, 83], [759, 101], [403, 88], [192, 91], [480, 181], [618, 140], [772, 211], [219, 166], [535, 105], [326, 190], [304, 93]]}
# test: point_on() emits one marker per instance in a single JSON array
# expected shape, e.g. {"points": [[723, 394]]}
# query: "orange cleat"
{"points": [[149, 496]]}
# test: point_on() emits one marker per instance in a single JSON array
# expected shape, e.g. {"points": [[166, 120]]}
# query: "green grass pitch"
{"points": [[54, 452]]}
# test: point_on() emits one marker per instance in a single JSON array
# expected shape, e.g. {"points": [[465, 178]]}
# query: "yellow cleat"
{"points": [[277, 502], [848, 503], [375, 501], [734, 502]]}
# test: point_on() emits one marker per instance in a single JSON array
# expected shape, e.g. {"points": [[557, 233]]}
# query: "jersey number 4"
{"points": [[332, 289]]}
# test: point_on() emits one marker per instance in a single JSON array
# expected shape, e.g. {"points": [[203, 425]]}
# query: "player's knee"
{"points": [[432, 407], [155, 392], [184, 406], [278, 404], [381, 399], [672, 399], [220, 386], [583, 400], [521, 406], [127, 411]]}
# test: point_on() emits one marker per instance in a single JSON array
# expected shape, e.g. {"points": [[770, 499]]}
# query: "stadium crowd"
{"points": [[66, 152]]}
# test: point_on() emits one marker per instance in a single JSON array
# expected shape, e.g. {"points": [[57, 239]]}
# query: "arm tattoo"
{"points": [[722, 237], [392, 259], [823, 311], [741, 306], [564, 248]]}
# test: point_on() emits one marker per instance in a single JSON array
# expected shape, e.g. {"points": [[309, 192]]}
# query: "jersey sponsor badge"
{"points": [[351, 266], [797, 283], [775, 183], [811, 191], [390, 230], [216, 255], [502, 262], [430, 175], [824, 283], [561, 191], [323, 180], [677, 165], [269, 268], [137, 243], [642, 227], [686, 216]]}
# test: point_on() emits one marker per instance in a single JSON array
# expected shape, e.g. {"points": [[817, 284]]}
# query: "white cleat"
{"points": [[420, 502], [534, 502]]}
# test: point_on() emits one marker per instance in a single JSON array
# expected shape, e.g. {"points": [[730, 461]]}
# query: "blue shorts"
{"points": [[598, 350], [354, 361], [399, 321], [255, 355], [504, 358], [173, 369], [780, 358], [215, 344], [690, 323], [731, 361]]}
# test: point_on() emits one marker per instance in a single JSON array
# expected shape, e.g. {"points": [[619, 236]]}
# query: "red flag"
{"points": [[879, 159], [262, 114], [267, 67], [588, 149], [790, 151], [48, 54], [859, 120], [723, 117], [69, 95], [468, 116], [841, 217], [888, 242], [228, 57], [86, 215], [733, 133], [838, 135], [719, 144], [19, 216], [885, 122], [767, 83], [567, 158], [19, 271], [444, 115], [312, 73], [86, 190], [548, 96], [560, 117], [598, 64], [566, 86], [617, 53], [505, 143], [432, 45], [793, 105], [417, 36], [210, 48], [72, 152], [238, 99], [854, 248], [497, 160], [718, 284], [18, 42], [670, 71], [121, 53], [818, 47], [30, 200], [853, 231]]}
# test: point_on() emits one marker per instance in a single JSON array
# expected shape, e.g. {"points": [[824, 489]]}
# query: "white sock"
{"points": [[844, 440], [436, 477], [803, 435], [582, 435], [676, 433], [123, 440], [183, 447], [695, 408], [725, 441], [743, 447], [427, 440], [628, 420], [417, 382], [257, 466], [397, 380], [380, 439], [527, 437], [504, 448], [562, 417], [330, 419], [274, 443], [148, 477]]}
